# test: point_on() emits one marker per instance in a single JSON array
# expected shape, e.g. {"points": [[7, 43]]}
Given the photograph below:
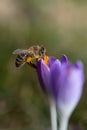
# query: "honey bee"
{"points": [[29, 56]]}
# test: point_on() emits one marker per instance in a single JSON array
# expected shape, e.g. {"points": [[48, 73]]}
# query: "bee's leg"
{"points": [[31, 64]]}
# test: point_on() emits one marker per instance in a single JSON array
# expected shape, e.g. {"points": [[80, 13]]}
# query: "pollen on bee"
{"points": [[28, 59], [46, 58]]}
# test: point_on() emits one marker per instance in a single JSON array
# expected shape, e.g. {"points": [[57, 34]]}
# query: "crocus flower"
{"points": [[63, 82], [48, 74], [69, 84], [44, 74]]}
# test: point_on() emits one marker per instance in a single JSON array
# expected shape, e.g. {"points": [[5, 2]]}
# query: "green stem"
{"points": [[53, 113], [63, 123]]}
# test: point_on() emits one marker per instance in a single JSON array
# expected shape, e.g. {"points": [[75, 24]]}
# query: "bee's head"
{"points": [[42, 51]]}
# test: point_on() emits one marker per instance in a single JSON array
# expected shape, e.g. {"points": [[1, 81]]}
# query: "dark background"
{"points": [[59, 25]]}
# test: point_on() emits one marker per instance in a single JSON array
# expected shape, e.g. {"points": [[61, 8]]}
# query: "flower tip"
{"points": [[79, 64], [64, 58], [51, 60]]}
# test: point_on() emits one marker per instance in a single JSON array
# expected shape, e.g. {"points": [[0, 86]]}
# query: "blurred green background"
{"points": [[59, 25]]}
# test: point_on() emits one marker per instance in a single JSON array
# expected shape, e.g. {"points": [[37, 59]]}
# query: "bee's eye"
{"points": [[42, 50]]}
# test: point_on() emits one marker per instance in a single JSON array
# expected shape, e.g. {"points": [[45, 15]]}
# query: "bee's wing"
{"points": [[18, 51]]}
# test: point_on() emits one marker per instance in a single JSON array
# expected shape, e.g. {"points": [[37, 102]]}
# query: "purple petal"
{"points": [[79, 64], [72, 83], [44, 75], [64, 59], [55, 74], [51, 60], [70, 89], [40, 75]]}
